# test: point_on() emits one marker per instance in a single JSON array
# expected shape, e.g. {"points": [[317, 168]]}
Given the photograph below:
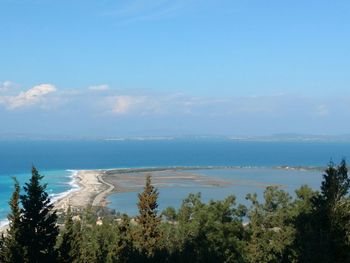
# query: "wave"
{"points": [[74, 187], [56, 196]]}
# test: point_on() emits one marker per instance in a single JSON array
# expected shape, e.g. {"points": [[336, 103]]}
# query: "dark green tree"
{"points": [[90, 246], [38, 224], [270, 228], [105, 235], [304, 201], [149, 234], [323, 231], [69, 247], [13, 251], [123, 250], [209, 232], [2, 248]]}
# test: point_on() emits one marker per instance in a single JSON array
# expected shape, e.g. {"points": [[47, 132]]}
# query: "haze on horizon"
{"points": [[161, 67]]}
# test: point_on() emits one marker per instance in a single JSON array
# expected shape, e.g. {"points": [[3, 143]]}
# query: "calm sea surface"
{"points": [[55, 158]]}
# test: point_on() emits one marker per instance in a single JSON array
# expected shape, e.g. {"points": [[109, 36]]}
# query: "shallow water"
{"points": [[53, 158], [241, 182], [59, 182]]}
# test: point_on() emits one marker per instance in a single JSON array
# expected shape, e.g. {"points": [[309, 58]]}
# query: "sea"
{"points": [[261, 162]]}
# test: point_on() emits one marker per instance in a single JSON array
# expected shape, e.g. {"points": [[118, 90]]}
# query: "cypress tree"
{"points": [[39, 230], [13, 251], [149, 221]]}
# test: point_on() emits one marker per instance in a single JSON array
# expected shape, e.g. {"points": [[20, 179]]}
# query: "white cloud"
{"points": [[102, 87], [125, 104], [33, 96], [6, 86], [157, 104]]}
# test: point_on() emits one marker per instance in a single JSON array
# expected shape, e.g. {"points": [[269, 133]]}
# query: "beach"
{"points": [[73, 156], [117, 188], [94, 186], [92, 190], [100, 187]]}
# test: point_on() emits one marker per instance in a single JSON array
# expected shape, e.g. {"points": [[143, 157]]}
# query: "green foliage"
{"points": [[105, 236], [209, 232], [323, 229], [2, 248], [13, 251], [149, 234], [314, 227], [304, 201], [335, 185], [123, 250], [38, 222], [170, 214], [271, 233], [71, 241]]}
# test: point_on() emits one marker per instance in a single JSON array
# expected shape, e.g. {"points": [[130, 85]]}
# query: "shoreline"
{"points": [[89, 188], [92, 190]]}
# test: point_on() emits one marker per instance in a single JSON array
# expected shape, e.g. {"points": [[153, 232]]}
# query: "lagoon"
{"points": [[54, 159]]}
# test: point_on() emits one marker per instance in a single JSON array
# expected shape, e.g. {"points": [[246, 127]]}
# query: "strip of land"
{"points": [[96, 185], [92, 191]]}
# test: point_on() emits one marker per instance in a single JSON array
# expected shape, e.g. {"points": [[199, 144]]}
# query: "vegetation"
{"points": [[313, 227], [148, 231], [70, 243], [12, 249]]}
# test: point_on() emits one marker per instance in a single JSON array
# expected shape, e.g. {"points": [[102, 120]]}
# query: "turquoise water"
{"points": [[59, 182], [53, 158]]}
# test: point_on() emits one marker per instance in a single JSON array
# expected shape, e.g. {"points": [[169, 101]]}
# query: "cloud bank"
{"points": [[102, 87], [101, 109], [34, 96], [142, 103]]}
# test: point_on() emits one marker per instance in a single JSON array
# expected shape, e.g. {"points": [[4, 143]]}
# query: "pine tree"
{"points": [[69, 248], [123, 250], [333, 214], [323, 232], [335, 185], [13, 251], [148, 220], [271, 234], [38, 226]]}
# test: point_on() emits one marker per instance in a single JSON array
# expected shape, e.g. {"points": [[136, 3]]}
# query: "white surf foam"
{"points": [[74, 187]]}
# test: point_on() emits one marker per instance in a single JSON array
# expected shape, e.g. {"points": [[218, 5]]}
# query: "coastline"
{"points": [[90, 188]]}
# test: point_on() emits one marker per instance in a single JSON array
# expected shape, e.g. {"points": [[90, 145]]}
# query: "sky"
{"points": [[174, 67]]}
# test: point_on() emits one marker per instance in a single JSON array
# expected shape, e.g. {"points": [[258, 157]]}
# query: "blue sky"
{"points": [[161, 67]]}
